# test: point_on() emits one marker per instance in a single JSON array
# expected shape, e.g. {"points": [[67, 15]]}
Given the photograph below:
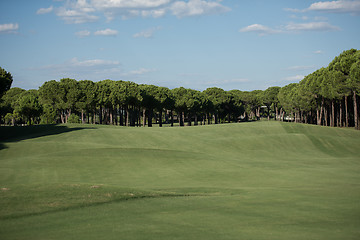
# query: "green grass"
{"points": [[260, 180]]}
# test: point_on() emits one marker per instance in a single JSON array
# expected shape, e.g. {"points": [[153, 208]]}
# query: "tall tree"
{"points": [[6, 80], [149, 102], [29, 107], [50, 95], [270, 98], [238, 105], [8, 103], [132, 102], [68, 96], [354, 84], [343, 64], [86, 99], [104, 90], [163, 97], [218, 97], [118, 98], [180, 95]]}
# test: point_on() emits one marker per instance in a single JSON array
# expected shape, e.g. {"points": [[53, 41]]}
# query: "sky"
{"points": [[230, 44]]}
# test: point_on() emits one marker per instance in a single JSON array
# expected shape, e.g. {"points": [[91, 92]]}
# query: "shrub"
{"points": [[73, 118]]}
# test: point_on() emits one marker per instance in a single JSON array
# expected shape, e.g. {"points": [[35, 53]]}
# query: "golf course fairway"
{"points": [[258, 180]]}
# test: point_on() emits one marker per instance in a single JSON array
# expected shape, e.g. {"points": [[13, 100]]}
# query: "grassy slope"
{"points": [[264, 180]]}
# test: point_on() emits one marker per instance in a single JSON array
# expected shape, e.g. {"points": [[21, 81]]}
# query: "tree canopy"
{"points": [[328, 96]]}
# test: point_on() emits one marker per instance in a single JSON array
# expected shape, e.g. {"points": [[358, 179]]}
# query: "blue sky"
{"points": [[231, 44]]}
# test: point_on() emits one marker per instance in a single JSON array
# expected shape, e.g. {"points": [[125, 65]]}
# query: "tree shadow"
{"points": [[19, 133]]}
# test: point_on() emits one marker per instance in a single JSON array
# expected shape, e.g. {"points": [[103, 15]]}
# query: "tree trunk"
{"points": [[82, 116], [117, 115], [172, 118], [196, 120], [133, 117], [181, 121], [160, 118], [356, 122], [332, 120], [111, 116], [139, 117], [144, 117], [127, 116], [62, 118], [100, 115], [318, 121], [150, 113], [321, 112], [189, 120], [326, 116], [340, 124], [346, 112], [121, 116], [167, 116]]}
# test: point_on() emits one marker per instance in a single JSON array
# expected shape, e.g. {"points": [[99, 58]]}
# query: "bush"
{"points": [[49, 115], [73, 118], [8, 119]]}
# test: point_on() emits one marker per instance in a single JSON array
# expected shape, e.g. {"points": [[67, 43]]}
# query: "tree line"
{"points": [[328, 96]]}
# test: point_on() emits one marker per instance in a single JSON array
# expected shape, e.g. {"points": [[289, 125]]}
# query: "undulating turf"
{"points": [[260, 180]]}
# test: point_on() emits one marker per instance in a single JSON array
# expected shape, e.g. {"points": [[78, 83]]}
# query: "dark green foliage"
{"points": [[29, 107], [73, 118], [328, 96], [6, 80]]}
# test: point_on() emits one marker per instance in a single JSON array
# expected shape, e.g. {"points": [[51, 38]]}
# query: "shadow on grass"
{"points": [[94, 204], [19, 133]]}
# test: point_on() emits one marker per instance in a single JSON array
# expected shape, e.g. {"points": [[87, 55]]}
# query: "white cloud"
{"points": [[106, 4], [75, 16], [153, 13], [148, 33], [83, 33], [318, 52], [197, 8], [9, 27], [91, 63], [83, 11], [311, 26], [294, 10], [93, 69], [341, 6], [85, 64], [140, 71], [260, 29], [130, 8], [290, 28], [300, 68], [45, 10], [106, 32], [294, 78]]}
